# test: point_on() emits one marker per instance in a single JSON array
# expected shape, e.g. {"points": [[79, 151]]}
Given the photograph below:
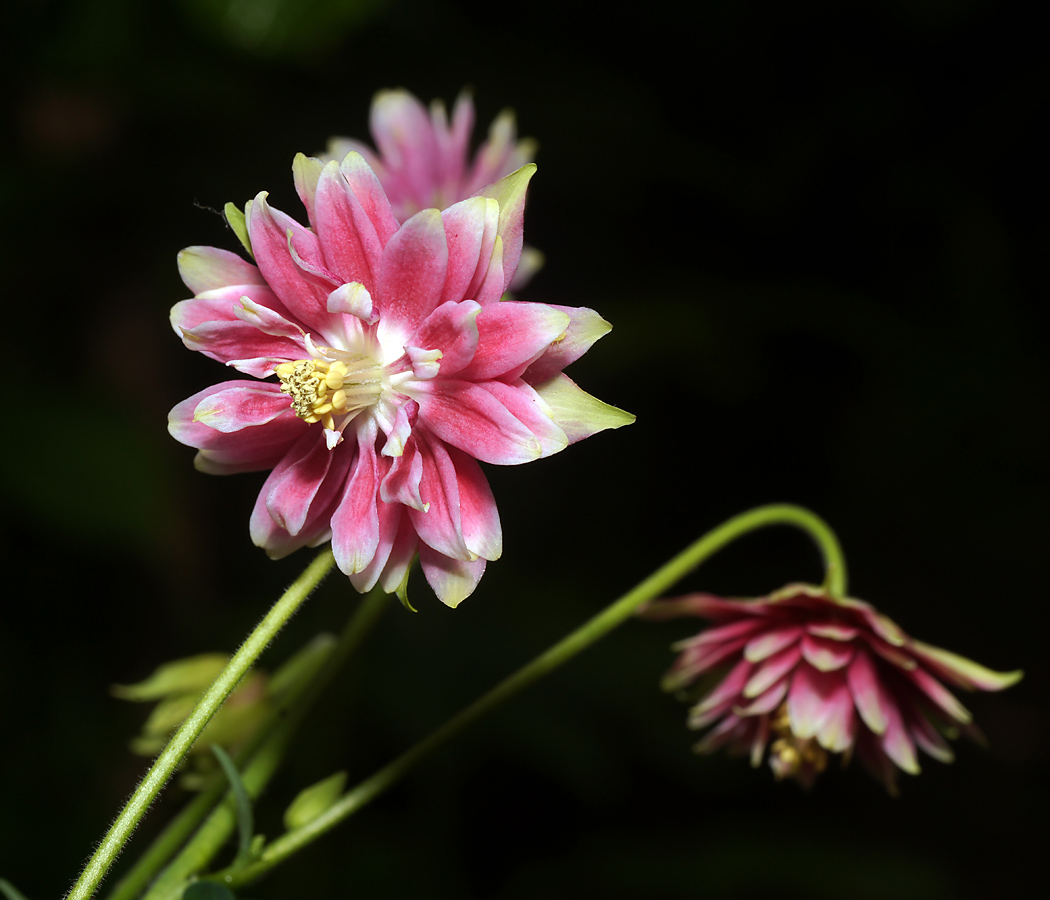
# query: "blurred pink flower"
{"points": [[808, 675], [397, 368], [423, 160]]}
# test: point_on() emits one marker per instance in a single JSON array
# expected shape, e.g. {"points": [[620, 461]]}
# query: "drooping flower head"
{"points": [[422, 159], [803, 675], [385, 365]]}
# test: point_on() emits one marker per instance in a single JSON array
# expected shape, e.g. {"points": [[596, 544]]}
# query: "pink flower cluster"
{"points": [[383, 365], [804, 675]]}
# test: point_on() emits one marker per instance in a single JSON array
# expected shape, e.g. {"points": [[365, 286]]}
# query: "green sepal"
{"points": [[311, 802], [190, 675], [578, 413], [306, 172], [509, 193], [239, 223], [402, 590]]}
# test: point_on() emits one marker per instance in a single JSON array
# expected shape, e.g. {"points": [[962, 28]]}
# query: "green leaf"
{"points": [[243, 805], [191, 675], [310, 802], [9, 891]]}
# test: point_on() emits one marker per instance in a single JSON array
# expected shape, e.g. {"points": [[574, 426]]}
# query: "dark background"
{"points": [[821, 235]]}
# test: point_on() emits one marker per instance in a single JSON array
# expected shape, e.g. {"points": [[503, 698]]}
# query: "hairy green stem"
{"points": [[183, 739], [613, 616]]}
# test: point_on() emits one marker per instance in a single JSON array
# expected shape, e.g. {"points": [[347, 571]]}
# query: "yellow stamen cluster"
{"points": [[790, 755], [316, 388]]}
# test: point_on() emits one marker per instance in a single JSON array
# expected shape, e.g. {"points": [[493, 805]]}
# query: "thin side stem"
{"points": [[183, 739], [614, 615]]}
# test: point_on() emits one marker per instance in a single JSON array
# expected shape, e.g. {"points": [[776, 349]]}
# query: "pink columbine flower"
{"points": [[385, 366], [423, 159], [808, 676]]}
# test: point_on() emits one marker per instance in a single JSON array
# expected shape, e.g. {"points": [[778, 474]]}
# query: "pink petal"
{"points": [[872, 700], [811, 692], [355, 523], [303, 293], [722, 698], [269, 428], [771, 641], [837, 729], [452, 329], [440, 525], [509, 192], [300, 492], [728, 631], [897, 742], [401, 483], [928, 738], [732, 729], [293, 486], [405, 137], [939, 694], [522, 402], [511, 335], [348, 239], [455, 142], [470, 229], [826, 655], [467, 416], [899, 658], [489, 289], [394, 551], [834, 631], [209, 268], [479, 518], [766, 702], [240, 404], [696, 659], [254, 342], [706, 606], [771, 671], [369, 193], [412, 277], [453, 580], [220, 305], [585, 327]]}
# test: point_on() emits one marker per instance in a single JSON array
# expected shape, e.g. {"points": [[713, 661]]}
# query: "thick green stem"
{"points": [[614, 615], [183, 739]]}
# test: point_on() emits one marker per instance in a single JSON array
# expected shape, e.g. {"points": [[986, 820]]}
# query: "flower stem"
{"points": [[613, 616], [183, 739]]}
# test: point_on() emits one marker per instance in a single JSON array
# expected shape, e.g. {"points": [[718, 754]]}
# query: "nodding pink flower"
{"points": [[385, 366], [805, 675], [423, 160]]}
